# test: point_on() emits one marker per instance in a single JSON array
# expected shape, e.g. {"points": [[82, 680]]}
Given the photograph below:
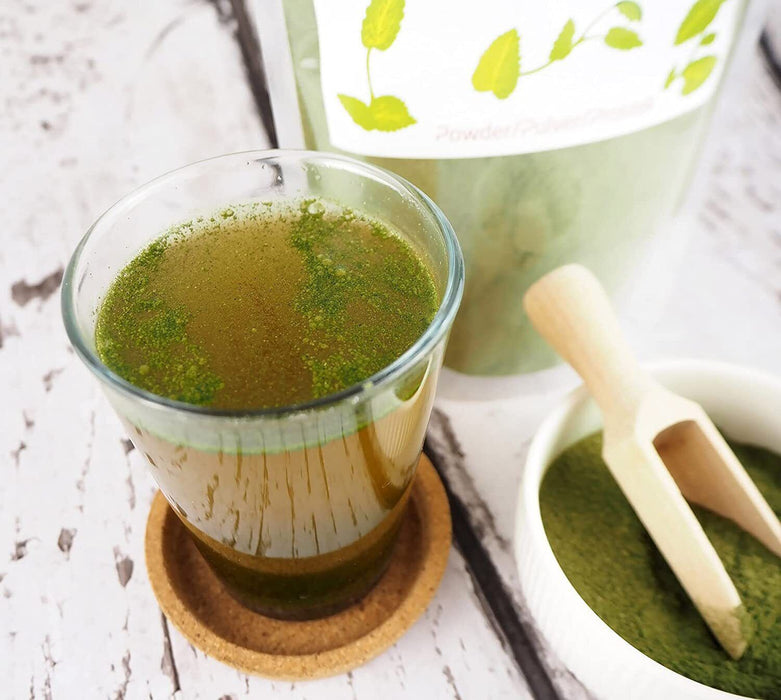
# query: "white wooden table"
{"points": [[98, 97]]}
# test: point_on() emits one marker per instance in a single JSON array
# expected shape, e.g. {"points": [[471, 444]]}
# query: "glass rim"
{"points": [[423, 344]]}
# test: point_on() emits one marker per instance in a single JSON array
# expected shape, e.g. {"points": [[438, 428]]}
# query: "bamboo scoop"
{"points": [[660, 448]]}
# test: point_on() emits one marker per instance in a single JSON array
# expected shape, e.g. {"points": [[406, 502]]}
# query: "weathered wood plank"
{"points": [[92, 95]]}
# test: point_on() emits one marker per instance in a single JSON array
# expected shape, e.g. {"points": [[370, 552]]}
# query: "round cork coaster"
{"points": [[198, 605]]}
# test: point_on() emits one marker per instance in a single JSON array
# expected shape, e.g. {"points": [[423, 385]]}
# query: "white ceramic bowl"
{"points": [[746, 405]]}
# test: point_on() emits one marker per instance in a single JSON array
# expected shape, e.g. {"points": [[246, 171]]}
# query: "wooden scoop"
{"points": [[659, 446]]}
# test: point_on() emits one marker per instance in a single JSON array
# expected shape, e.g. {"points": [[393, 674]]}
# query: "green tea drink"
{"points": [[266, 306]]}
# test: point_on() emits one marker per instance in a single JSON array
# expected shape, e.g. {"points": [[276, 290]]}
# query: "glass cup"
{"points": [[296, 509]]}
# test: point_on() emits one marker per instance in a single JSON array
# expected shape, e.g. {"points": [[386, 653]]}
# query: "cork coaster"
{"points": [[198, 605]]}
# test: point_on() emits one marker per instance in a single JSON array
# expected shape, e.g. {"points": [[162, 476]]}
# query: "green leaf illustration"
{"points": [[707, 39], [382, 23], [359, 111], [499, 66], [386, 113], [624, 39], [700, 16], [390, 113], [696, 73], [630, 10], [563, 45], [670, 78]]}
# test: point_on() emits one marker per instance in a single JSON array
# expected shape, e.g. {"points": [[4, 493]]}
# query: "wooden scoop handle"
{"points": [[570, 309]]}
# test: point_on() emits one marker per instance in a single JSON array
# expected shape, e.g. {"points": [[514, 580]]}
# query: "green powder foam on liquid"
{"points": [[263, 305], [617, 570], [137, 333]]}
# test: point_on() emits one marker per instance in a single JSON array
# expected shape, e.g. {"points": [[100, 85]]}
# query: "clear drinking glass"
{"points": [[297, 508]]}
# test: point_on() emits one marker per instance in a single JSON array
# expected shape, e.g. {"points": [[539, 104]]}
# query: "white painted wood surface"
{"points": [[96, 99]]}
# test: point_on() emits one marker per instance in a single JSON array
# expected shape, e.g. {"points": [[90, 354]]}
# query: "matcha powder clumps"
{"points": [[629, 585], [349, 283], [138, 333], [263, 305]]}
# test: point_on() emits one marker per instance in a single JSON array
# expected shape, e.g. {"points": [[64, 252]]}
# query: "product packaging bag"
{"points": [[548, 132]]}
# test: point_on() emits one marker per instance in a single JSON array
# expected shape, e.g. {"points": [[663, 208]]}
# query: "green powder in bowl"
{"points": [[611, 561]]}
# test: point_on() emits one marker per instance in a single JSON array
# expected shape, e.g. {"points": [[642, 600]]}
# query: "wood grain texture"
{"points": [[98, 98], [773, 27]]}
